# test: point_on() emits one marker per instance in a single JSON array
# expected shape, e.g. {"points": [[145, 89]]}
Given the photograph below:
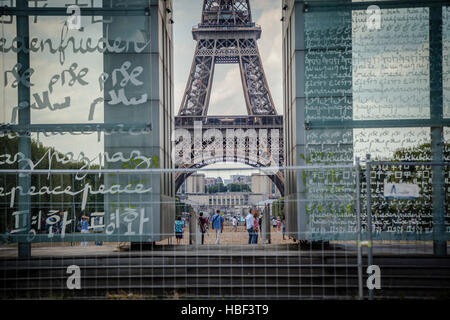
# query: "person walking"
{"points": [[178, 229], [256, 228], [234, 222], [202, 223], [260, 220], [84, 229], [250, 224], [217, 224], [274, 224], [283, 222]]}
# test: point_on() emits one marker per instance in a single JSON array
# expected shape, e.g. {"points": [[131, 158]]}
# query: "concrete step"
{"points": [[148, 280], [222, 270], [157, 260], [327, 275], [226, 291]]}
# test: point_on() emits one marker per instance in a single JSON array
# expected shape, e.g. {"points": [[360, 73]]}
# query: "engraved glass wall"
{"points": [[391, 65], [446, 59], [369, 89], [329, 195]]}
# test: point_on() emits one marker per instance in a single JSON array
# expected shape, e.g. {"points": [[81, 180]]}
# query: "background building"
{"points": [[195, 183], [261, 183]]}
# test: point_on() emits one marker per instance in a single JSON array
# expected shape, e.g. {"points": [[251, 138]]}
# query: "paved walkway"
{"points": [[10, 251], [231, 243]]}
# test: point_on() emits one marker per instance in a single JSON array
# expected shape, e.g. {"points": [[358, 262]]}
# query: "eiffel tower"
{"points": [[227, 34]]}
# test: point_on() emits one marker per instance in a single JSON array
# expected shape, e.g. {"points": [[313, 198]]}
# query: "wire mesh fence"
{"points": [[103, 220], [96, 240]]}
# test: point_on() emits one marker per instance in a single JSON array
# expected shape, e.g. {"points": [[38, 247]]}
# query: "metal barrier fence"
{"points": [[314, 250]]}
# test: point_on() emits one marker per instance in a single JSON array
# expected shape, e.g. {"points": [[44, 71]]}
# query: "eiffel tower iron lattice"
{"points": [[227, 34]]}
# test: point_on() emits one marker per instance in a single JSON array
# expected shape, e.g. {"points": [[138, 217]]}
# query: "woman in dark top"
{"points": [[202, 222]]}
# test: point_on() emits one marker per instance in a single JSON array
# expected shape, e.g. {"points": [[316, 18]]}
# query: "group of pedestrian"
{"points": [[217, 221], [253, 222], [84, 227], [279, 224]]}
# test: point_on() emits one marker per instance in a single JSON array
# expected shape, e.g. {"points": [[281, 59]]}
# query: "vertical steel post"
{"points": [[358, 218], [437, 135], [23, 91], [74, 219], [191, 226], [266, 224], [369, 220]]}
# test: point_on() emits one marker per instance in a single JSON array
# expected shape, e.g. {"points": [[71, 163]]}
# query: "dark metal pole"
{"points": [[23, 90], [369, 220], [266, 224], [437, 135], [358, 218], [74, 219]]}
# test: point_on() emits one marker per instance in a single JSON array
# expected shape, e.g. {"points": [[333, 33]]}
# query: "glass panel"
{"points": [[392, 144], [328, 78], [325, 199], [73, 70], [89, 3], [391, 65], [8, 60], [99, 72], [65, 81], [446, 59]]}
